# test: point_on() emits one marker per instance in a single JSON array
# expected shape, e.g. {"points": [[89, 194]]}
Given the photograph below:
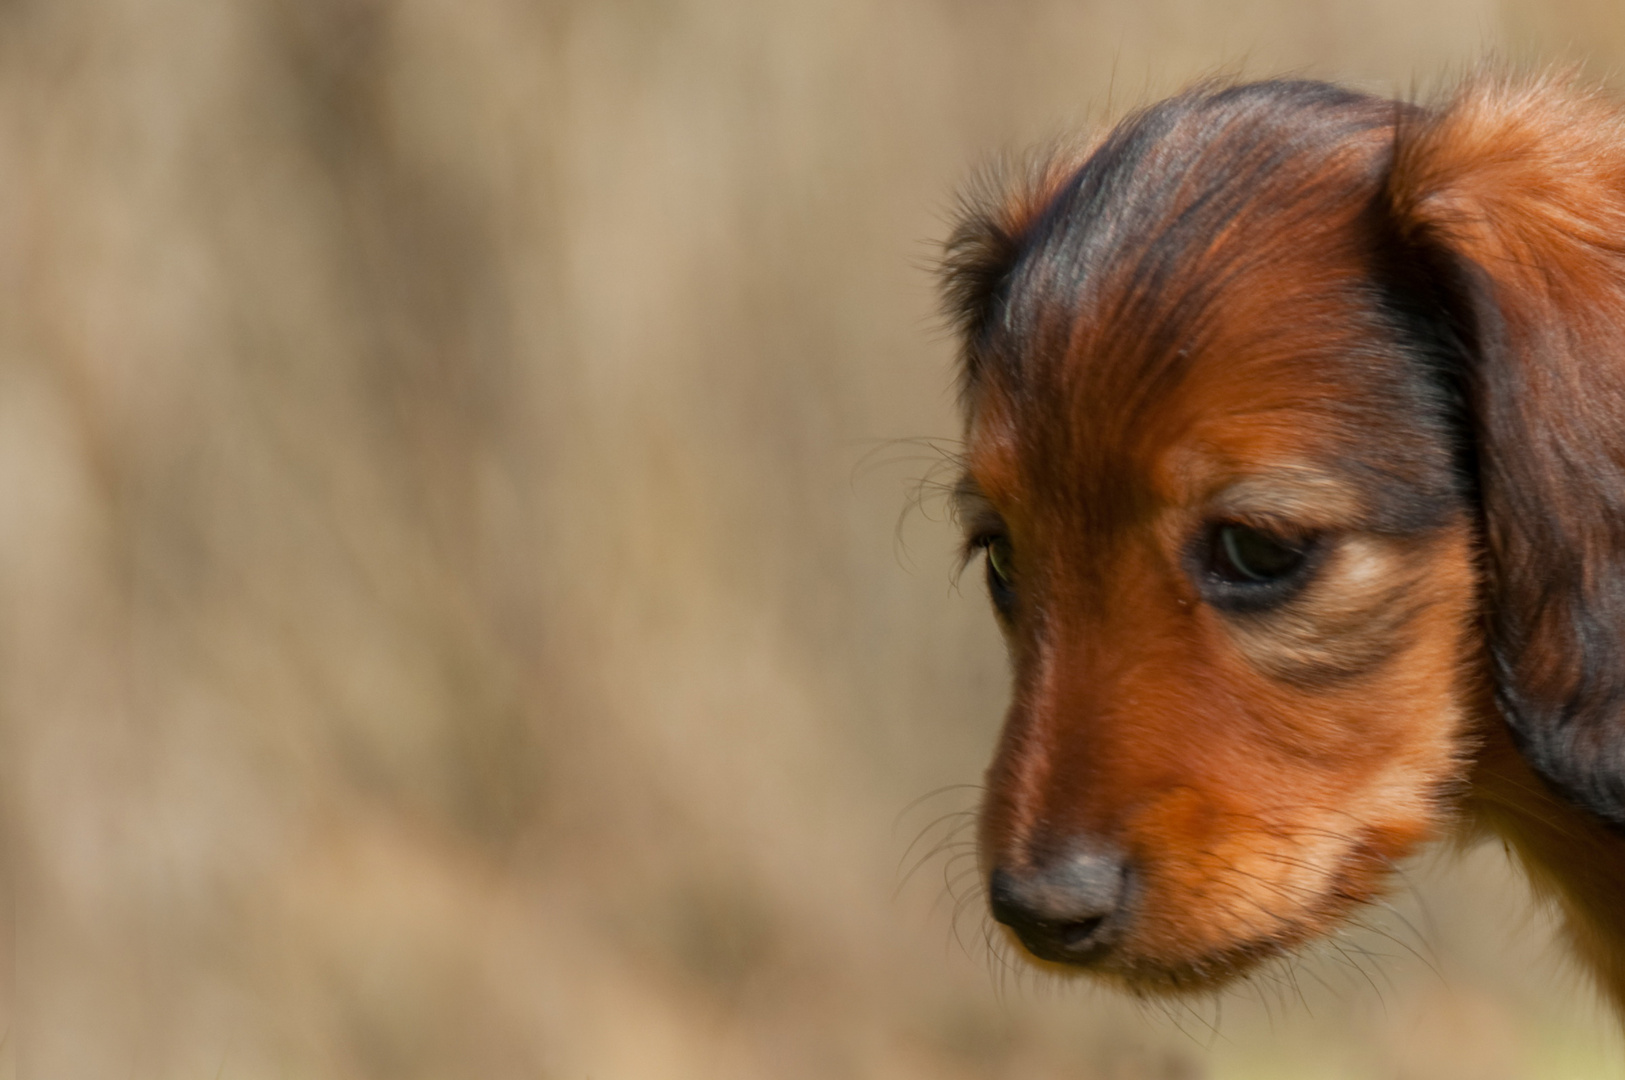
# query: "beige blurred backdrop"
{"points": [[469, 606]]}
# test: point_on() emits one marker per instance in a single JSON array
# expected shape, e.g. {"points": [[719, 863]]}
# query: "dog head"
{"points": [[1292, 441]]}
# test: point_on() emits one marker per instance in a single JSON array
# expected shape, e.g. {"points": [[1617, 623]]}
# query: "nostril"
{"points": [[1067, 909], [1076, 935]]}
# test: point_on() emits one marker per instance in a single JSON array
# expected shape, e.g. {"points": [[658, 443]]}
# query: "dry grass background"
{"points": [[453, 617]]}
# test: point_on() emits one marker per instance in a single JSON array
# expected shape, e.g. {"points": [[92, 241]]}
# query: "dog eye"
{"points": [[1244, 556], [1240, 569], [1001, 572]]}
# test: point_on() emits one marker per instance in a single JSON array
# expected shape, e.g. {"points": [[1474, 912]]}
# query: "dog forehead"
{"points": [[1287, 360], [1215, 436], [1293, 381], [1199, 302]]}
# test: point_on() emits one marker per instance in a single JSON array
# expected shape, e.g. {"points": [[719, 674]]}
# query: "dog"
{"points": [[1295, 448]]}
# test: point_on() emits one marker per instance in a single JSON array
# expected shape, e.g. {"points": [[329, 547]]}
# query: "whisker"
{"points": [[915, 804], [947, 842]]}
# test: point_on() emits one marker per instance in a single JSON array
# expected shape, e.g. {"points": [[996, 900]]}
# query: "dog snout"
{"points": [[1067, 909]]}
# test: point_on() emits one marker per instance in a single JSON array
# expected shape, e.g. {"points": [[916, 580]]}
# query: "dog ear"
{"points": [[1512, 196]]}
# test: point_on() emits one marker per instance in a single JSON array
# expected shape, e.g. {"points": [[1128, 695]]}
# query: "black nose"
{"points": [[1068, 909]]}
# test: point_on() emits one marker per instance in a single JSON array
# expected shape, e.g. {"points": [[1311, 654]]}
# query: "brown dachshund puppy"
{"points": [[1295, 440]]}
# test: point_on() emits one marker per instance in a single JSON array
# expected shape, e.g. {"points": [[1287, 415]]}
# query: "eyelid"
{"points": [[1290, 533], [978, 520], [979, 539], [968, 501]]}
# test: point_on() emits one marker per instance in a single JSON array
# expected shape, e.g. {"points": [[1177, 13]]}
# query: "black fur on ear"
{"points": [[1512, 196]]}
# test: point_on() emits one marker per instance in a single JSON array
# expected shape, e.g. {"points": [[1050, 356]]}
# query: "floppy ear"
{"points": [[1513, 196]]}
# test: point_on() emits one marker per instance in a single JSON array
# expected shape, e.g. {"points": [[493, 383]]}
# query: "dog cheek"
{"points": [[1376, 660], [1358, 613], [1416, 706], [1299, 799]]}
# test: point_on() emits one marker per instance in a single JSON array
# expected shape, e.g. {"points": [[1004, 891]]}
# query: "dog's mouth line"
{"points": [[1150, 977], [1319, 916]]}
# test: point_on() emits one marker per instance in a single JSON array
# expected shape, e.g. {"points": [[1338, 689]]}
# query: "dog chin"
{"points": [[1206, 967], [1151, 976]]}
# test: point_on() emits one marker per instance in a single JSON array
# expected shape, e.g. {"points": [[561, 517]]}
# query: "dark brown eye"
{"points": [[1001, 572], [1243, 556]]}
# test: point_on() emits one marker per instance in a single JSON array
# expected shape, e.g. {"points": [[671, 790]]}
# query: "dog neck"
{"points": [[1572, 858]]}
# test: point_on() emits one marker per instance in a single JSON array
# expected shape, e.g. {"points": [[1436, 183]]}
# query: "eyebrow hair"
{"points": [[970, 503], [1294, 494]]}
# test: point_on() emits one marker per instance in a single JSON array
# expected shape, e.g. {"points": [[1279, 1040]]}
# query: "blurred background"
{"points": [[473, 601]]}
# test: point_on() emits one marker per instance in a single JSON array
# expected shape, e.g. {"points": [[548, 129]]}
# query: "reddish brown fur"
{"points": [[1291, 309]]}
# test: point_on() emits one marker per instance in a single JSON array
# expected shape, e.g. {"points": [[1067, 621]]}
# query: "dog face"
{"points": [[1227, 385]]}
